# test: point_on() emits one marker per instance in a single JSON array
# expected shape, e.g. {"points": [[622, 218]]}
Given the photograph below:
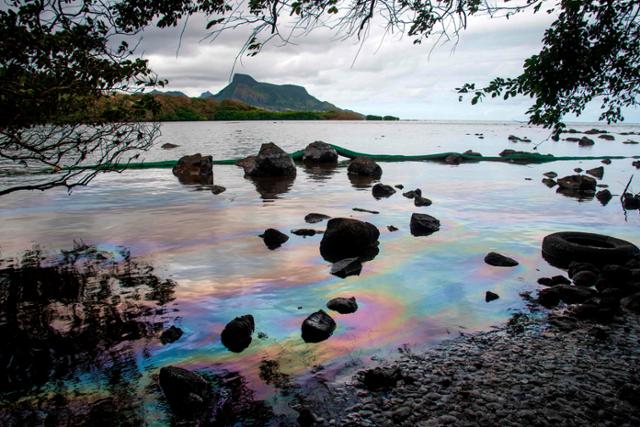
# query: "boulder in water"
{"points": [[236, 335], [423, 224], [348, 238], [380, 191], [188, 393], [343, 305], [273, 238], [271, 161], [365, 166], [194, 169], [317, 327], [320, 152]]}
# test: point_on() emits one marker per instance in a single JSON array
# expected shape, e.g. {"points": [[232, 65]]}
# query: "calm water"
{"points": [[416, 292]]}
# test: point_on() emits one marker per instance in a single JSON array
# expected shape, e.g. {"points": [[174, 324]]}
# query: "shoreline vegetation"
{"points": [[170, 108]]}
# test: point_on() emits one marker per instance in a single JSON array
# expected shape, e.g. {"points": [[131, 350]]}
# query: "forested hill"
{"points": [[269, 96]]}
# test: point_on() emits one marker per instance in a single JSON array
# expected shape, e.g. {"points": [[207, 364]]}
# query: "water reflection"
{"points": [[69, 317], [320, 172], [272, 187], [361, 181]]}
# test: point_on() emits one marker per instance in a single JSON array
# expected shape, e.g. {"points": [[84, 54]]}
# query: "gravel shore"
{"points": [[548, 370]]}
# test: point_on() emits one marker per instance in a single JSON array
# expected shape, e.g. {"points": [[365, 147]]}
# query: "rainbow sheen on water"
{"points": [[416, 292]]}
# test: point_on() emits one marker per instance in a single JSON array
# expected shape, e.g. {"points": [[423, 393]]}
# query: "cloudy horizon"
{"points": [[386, 74]]}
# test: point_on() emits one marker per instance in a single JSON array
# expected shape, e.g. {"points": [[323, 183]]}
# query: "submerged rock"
{"points": [[382, 191], [585, 278], [630, 201], [421, 201], [320, 152], [550, 174], [236, 335], [596, 172], [549, 182], [606, 161], [304, 232], [343, 305], [577, 185], [490, 296], [498, 260], [170, 335], [271, 161], [218, 189], [188, 393], [604, 196], [364, 166], [168, 146], [585, 142], [317, 327], [194, 169], [313, 218], [412, 193], [366, 210], [453, 159], [273, 238], [347, 267], [348, 238], [607, 137], [423, 224]]}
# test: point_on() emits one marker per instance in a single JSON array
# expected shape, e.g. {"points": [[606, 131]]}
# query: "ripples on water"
{"points": [[417, 291]]}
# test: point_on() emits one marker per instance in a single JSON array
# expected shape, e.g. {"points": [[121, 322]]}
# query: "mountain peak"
{"points": [[268, 96], [243, 78]]}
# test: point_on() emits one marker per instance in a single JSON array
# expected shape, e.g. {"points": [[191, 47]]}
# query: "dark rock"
{"points": [[380, 378], [490, 296], [616, 273], [572, 139], [366, 210], [262, 336], [217, 189], [364, 166], [498, 260], [629, 393], [594, 131], [629, 201], [472, 153], [571, 131], [606, 137], [236, 335], [574, 294], [577, 170], [392, 228], [549, 297], [170, 335], [188, 393], [347, 238], [514, 138], [412, 193], [194, 169], [320, 152], [421, 201], [549, 182], [317, 327], [553, 281], [423, 224], [399, 186], [591, 311], [273, 238], [313, 218], [306, 418], [585, 278], [453, 159], [168, 146], [271, 161], [577, 184], [597, 172], [304, 232], [550, 174], [636, 163], [343, 305], [380, 190], [247, 163], [347, 267], [629, 141], [604, 196], [606, 161], [575, 267], [585, 142]]}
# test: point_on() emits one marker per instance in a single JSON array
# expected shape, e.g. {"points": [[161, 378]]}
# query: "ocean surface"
{"points": [[417, 292]]}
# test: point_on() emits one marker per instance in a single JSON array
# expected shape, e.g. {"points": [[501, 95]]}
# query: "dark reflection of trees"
{"points": [[80, 312], [272, 187]]}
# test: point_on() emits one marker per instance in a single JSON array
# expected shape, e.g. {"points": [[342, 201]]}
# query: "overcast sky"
{"points": [[390, 75]]}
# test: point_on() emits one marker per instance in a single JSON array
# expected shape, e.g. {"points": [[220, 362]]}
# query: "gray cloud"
{"points": [[385, 75]]}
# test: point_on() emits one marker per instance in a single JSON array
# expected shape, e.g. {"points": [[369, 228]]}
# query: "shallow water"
{"points": [[416, 292]]}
